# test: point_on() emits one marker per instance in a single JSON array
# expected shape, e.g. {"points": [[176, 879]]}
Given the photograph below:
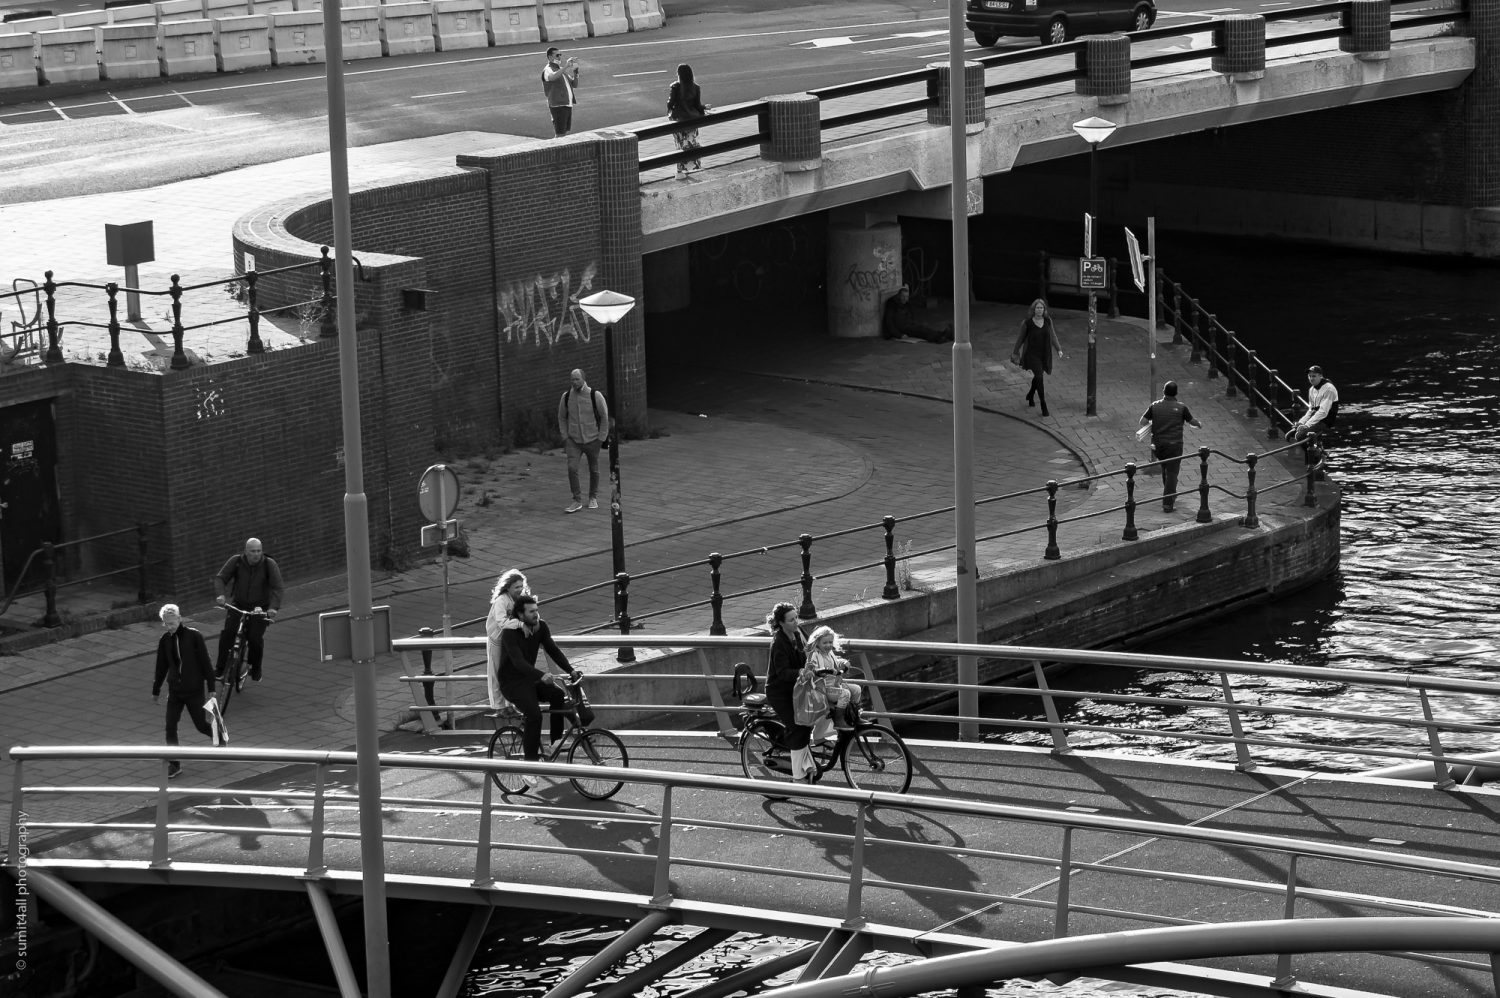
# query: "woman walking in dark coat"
{"points": [[787, 660], [685, 103], [1033, 350]]}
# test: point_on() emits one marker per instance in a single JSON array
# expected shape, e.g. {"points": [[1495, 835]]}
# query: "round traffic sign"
{"points": [[438, 493]]}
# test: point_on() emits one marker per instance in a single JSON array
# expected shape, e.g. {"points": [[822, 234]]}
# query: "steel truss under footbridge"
{"points": [[970, 890]]}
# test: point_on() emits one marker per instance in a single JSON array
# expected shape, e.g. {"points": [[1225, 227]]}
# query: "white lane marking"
{"points": [[826, 43], [60, 112], [651, 72], [226, 117], [1389, 842], [122, 105], [445, 93]]}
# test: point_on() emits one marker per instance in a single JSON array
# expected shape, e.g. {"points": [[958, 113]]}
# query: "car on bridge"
{"points": [[1055, 21]]}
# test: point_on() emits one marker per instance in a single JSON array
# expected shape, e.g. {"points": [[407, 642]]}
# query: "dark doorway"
{"points": [[29, 511]]}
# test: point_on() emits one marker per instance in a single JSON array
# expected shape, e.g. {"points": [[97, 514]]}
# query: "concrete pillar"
{"points": [[1105, 63], [1243, 37], [1369, 26], [864, 269], [937, 91], [795, 135], [667, 280], [1481, 102]]}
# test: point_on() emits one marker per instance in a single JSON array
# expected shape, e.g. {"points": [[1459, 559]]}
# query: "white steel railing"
{"points": [[1417, 720], [1067, 869]]}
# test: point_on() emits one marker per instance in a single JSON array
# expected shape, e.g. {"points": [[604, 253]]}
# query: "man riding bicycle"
{"points": [[248, 581], [525, 685]]}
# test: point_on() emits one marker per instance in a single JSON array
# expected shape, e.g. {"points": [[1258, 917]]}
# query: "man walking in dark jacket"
{"points": [[249, 581], [182, 663], [1166, 417]]}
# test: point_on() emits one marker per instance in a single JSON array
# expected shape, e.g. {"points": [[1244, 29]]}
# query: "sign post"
{"points": [[438, 497], [129, 246], [1145, 282]]}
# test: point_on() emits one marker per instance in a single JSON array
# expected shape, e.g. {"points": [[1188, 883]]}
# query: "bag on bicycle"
{"points": [[581, 709], [809, 703]]}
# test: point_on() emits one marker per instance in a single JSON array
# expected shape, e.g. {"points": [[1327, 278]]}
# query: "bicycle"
{"points": [[872, 756], [237, 669], [586, 745]]}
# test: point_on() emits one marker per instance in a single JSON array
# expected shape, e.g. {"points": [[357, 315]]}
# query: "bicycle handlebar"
{"points": [[257, 612]]}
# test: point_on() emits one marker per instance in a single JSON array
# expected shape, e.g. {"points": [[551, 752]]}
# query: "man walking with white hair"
{"points": [[183, 665]]}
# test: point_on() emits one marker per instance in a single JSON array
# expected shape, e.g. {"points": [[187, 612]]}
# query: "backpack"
{"points": [[594, 397]]}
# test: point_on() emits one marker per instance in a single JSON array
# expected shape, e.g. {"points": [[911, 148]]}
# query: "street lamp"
{"points": [[1093, 131], [608, 308]]}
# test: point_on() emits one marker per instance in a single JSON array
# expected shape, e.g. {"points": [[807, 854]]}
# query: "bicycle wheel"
{"points": [[762, 754], [506, 744], [230, 687], [597, 747], [877, 759]]}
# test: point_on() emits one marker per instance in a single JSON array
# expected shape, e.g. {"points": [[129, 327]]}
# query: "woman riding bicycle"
{"points": [[525, 685], [787, 659]]}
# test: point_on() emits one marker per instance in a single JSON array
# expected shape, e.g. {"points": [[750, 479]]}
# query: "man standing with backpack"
{"points": [[583, 420]]}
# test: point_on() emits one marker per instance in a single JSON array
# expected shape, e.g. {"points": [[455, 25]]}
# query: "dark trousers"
{"points": [[176, 703], [1038, 389], [562, 120], [527, 697], [255, 632], [1170, 456]]}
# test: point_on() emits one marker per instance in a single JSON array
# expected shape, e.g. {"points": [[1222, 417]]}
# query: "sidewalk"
{"points": [[768, 443]]}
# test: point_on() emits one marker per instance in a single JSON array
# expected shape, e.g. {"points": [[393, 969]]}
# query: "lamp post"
{"points": [[1093, 131], [608, 308]]}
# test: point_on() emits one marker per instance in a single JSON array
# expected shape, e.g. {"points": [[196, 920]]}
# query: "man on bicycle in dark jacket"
{"points": [[247, 581], [526, 685]]}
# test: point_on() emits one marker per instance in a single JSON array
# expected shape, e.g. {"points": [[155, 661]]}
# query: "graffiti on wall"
{"points": [[865, 281], [543, 310]]}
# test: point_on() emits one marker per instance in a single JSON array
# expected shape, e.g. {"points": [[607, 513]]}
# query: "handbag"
{"points": [[809, 702]]}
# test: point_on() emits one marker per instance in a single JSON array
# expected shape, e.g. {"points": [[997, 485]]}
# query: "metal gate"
{"points": [[29, 512]]}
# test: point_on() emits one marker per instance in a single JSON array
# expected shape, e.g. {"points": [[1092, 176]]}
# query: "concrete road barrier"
{"points": [[83, 19], [272, 6], [562, 20], [242, 42], [297, 38], [644, 15], [513, 22], [361, 28], [406, 28], [459, 24], [67, 55], [127, 51], [32, 25], [187, 47], [134, 14], [605, 17], [18, 66], [179, 10], [225, 8]]}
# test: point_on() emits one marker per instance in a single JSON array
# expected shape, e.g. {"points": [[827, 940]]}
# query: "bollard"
{"points": [[179, 359], [1308, 496], [1052, 553], [1197, 338], [1253, 379], [807, 611], [622, 600], [142, 544], [116, 358], [891, 591], [54, 345], [1250, 520], [1203, 514], [1367, 29], [49, 562], [328, 321], [1177, 317], [252, 303], [1130, 531], [716, 598]]}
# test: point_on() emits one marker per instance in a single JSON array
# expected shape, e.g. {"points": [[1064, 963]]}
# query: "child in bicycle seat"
{"points": [[828, 667]]}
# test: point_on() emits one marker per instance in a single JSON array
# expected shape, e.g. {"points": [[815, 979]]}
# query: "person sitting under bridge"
{"points": [[900, 321]]}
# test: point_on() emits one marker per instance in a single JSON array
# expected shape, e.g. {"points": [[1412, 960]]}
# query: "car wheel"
{"points": [[1142, 19], [985, 38], [1056, 31]]}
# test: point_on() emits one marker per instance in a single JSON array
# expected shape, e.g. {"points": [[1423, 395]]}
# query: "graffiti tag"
{"points": [[544, 309]]}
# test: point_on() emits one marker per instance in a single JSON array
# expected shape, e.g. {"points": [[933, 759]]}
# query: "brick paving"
{"points": [[758, 447]]}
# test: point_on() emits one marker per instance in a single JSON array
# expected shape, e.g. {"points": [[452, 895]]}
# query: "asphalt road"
{"points": [[73, 139]]}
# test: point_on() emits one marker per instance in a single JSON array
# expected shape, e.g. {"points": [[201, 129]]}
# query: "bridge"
{"points": [[1233, 877]]}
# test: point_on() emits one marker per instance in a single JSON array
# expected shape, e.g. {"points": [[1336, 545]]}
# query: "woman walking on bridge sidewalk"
{"points": [[1033, 351]]}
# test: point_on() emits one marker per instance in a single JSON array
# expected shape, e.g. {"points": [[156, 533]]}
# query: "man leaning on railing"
{"points": [[1322, 413]]}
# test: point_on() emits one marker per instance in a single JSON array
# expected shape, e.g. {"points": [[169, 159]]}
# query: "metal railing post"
{"points": [[159, 858], [1243, 762], [1272, 430], [143, 546], [482, 845], [116, 358], [54, 338], [716, 597], [328, 321], [315, 865], [179, 358], [1231, 366], [622, 600], [1443, 778], [1060, 744], [1250, 520], [1204, 516], [854, 905], [1130, 532], [661, 891], [891, 590], [1284, 976], [1252, 377], [1177, 318], [252, 305], [1052, 553], [1064, 884], [807, 611], [1309, 496], [1197, 340], [49, 562], [17, 808]]}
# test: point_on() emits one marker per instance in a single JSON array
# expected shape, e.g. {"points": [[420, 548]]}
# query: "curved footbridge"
{"points": [[1222, 878]]}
